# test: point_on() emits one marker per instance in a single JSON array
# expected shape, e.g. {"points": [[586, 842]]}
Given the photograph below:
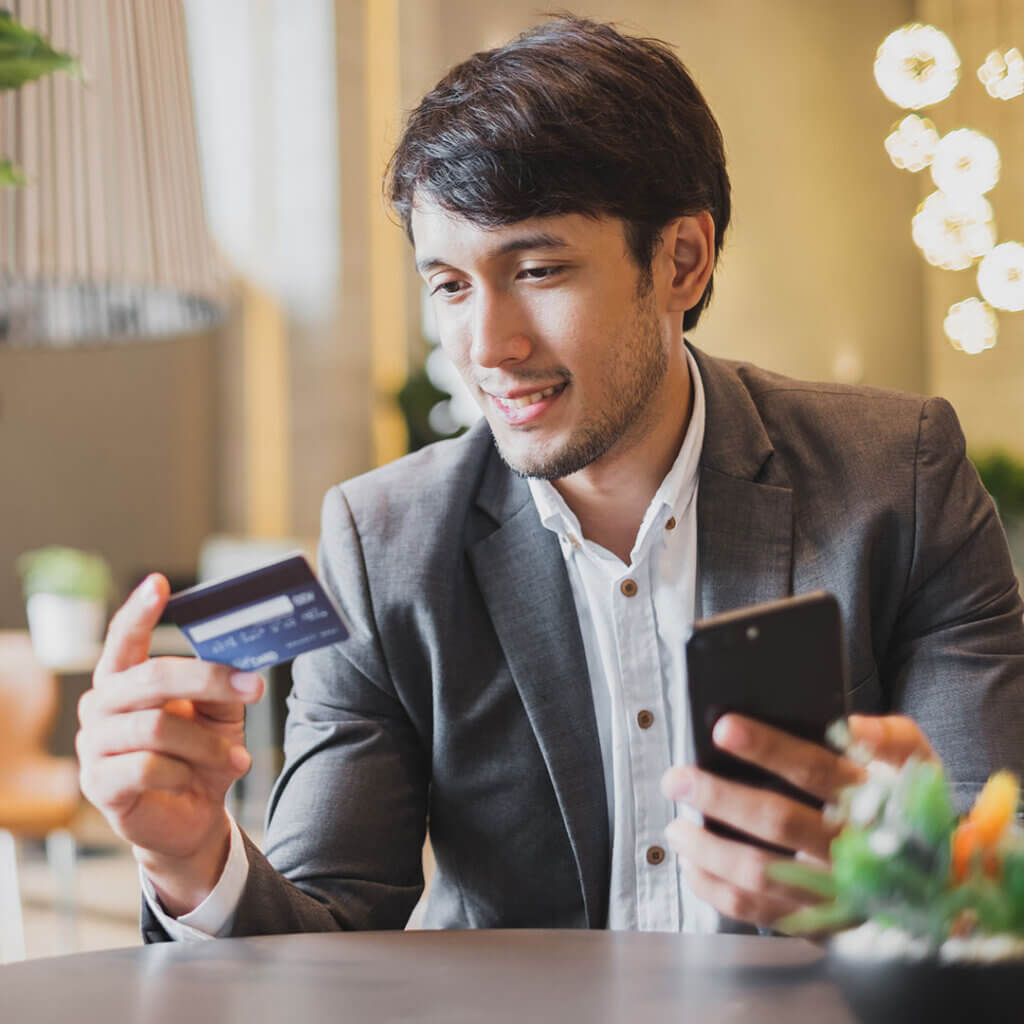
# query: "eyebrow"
{"points": [[537, 240]]}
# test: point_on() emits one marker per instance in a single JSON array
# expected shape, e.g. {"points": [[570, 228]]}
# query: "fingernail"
{"points": [[246, 682], [149, 593], [730, 733]]}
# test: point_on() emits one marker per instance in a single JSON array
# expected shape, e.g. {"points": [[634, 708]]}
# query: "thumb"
{"points": [[131, 628]]}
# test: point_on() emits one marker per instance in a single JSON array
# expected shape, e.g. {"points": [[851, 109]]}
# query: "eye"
{"points": [[447, 288], [540, 273]]}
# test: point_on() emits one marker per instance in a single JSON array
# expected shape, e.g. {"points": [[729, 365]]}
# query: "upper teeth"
{"points": [[518, 403]]}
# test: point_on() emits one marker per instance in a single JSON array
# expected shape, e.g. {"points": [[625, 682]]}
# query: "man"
{"points": [[520, 597]]}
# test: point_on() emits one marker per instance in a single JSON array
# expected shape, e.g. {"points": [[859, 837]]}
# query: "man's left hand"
{"points": [[732, 875]]}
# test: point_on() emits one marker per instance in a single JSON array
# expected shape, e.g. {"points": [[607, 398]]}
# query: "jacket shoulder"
{"points": [[404, 501], [829, 411]]}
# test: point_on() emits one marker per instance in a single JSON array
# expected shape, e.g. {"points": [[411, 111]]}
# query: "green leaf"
{"points": [[803, 876], [927, 808], [829, 917], [25, 55], [68, 571], [10, 176]]}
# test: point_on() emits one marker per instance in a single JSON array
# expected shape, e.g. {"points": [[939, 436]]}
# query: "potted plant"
{"points": [[66, 593], [1003, 477]]}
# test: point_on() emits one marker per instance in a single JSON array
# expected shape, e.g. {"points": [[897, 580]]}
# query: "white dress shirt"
{"points": [[634, 620]]}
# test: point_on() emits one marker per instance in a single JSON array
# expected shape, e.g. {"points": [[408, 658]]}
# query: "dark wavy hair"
{"points": [[570, 117]]}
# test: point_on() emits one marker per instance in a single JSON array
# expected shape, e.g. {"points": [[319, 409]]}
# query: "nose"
{"points": [[500, 333]]}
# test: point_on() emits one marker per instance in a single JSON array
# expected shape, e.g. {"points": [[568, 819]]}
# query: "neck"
{"points": [[610, 496]]}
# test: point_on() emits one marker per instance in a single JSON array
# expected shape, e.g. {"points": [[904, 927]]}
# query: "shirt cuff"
{"points": [[214, 916]]}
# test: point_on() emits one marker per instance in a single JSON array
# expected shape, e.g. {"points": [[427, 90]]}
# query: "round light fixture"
{"points": [[1001, 277], [971, 326], [966, 163], [917, 66], [1002, 74], [953, 233], [911, 144]]}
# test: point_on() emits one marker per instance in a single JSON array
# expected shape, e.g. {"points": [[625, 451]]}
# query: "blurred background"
{"points": [[207, 317]]}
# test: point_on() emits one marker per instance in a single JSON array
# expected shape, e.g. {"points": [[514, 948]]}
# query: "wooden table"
{"points": [[442, 977]]}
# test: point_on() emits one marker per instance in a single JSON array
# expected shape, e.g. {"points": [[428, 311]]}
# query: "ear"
{"points": [[687, 258]]}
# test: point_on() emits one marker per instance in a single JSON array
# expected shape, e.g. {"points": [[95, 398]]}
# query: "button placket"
{"points": [[649, 756]]}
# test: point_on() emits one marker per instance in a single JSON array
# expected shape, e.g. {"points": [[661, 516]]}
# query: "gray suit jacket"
{"points": [[463, 696]]}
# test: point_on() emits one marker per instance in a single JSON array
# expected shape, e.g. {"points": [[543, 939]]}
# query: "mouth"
{"points": [[522, 408]]}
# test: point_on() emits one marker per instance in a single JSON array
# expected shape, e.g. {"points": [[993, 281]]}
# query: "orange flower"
{"points": [[965, 845], [995, 807], [976, 836]]}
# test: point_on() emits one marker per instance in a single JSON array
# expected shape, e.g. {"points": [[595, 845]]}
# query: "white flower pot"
{"points": [[67, 632]]}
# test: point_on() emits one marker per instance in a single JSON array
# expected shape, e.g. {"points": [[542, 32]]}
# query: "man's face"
{"points": [[555, 330]]}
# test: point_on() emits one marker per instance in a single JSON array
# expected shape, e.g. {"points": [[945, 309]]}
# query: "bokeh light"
{"points": [[1001, 277], [965, 164], [911, 144], [917, 66], [953, 233], [1002, 74], [971, 326]]}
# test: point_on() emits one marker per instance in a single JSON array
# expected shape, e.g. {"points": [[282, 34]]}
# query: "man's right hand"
{"points": [[160, 742]]}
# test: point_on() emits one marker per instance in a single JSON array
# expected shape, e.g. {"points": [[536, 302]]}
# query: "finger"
{"points": [[892, 738], [221, 690], [806, 765], [733, 901], [116, 783], [744, 866], [756, 812], [131, 628], [160, 732]]}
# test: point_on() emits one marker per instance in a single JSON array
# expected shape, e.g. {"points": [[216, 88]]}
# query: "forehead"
{"points": [[440, 235]]}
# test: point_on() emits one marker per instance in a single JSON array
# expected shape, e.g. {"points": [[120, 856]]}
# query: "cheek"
{"points": [[457, 352]]}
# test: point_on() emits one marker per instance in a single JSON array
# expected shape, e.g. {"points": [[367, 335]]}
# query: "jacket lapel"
{"points": [[744, 502], [522, 575], [744, 545]]}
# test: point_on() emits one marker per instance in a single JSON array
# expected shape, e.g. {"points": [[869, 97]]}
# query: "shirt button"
{"points": [[645, 719], [655, 854], [628, 587], [670, 523]]}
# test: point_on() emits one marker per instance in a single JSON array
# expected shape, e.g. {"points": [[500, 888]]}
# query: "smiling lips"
{"points": [[525, 408]]}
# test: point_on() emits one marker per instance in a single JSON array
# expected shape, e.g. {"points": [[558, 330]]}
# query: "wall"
{"points": [[987, 390], [110, 449], [819, 267]]}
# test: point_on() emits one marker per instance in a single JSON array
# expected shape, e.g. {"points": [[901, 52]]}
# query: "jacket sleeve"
{"points": [[347, 817], [956, 659]]}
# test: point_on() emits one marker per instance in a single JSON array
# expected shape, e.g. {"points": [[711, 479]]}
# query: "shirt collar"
{"points": [[675, 492]]}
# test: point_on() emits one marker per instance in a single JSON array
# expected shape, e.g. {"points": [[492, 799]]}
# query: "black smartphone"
{"points": [[782, 663]]}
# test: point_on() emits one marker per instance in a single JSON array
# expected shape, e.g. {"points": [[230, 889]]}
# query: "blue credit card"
{"points": [[260, 618]]}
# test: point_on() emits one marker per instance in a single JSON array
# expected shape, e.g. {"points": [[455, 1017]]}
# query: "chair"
{"points": [[38, 792]]}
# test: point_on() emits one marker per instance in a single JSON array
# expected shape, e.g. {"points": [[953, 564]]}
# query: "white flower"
{"points": [[966, 163], [1003, 74], [971, 326], [1001, 277], [917, 66], [911, 144], [953, 233]]}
